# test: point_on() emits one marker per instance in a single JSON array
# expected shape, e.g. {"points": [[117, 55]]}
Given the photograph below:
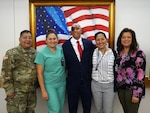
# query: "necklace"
{"points": [[99, 60]]}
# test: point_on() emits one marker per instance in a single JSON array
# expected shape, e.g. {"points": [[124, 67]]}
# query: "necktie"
{"points": [[79, 49]]}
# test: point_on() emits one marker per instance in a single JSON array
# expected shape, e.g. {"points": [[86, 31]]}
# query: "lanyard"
{"points": [[99, 61]]}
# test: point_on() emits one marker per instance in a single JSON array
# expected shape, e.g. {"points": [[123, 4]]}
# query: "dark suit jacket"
{"points": [[78, 71]]}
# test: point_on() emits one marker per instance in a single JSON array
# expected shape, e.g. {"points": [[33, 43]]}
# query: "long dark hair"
{"points": [[134, 45]]}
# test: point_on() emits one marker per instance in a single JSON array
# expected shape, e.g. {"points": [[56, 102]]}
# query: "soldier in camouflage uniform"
{"points": [[19, 76]]}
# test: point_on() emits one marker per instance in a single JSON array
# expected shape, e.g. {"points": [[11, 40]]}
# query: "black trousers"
{"points": [[75, 93], [125, 97]]}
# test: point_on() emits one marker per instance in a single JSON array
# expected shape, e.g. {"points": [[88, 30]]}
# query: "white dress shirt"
{"points": [[75, 46]]}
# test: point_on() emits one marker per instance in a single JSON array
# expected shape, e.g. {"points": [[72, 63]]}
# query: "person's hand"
{"points": [[44, 95], [10, 96], [135, 100]]}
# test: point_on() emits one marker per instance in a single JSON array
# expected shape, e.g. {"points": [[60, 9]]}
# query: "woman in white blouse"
{"points": [[103, 74]]}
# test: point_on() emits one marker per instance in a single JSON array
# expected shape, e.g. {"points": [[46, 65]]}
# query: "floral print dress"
{"points": [[130, 72]]}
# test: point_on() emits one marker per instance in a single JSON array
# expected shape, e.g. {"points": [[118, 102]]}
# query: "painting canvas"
{"points": [[92, 18]]}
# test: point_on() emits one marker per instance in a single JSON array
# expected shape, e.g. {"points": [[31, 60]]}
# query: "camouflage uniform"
{"points": [[20, 78]]}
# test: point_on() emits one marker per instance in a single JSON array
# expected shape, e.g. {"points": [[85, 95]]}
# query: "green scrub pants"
{"points": [[56, 99]]}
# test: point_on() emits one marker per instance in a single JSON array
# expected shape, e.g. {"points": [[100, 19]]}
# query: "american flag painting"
{"points": [[91, 19]]}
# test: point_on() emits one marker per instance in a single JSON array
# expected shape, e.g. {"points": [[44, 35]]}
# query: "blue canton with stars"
{"points": [[50, 17]]}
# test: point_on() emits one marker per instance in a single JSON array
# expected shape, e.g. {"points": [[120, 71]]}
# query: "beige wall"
{"points": [[15, 17], [129, 13]]}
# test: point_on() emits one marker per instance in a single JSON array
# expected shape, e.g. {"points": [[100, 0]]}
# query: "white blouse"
{"points": [[102, 70]]}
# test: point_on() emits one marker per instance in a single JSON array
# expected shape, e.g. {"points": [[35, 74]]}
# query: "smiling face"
{"points": [[101, 41], [76, 31], [126, 39], [26, 40], [52, 40]]}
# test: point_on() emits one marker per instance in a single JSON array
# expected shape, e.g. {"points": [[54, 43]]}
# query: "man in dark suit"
{"points": [[79, 65]]}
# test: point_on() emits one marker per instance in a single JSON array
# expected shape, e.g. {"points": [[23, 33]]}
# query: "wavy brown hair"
{"points": [[134, 45]]}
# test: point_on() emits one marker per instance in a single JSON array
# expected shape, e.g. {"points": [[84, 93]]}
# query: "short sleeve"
{"points": [[39, 59]]}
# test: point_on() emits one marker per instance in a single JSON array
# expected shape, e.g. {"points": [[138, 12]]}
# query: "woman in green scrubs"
{"points": [[51, 73]]}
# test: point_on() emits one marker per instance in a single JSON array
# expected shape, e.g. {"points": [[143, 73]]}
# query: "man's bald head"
{"points": [[76, 31], [75, 26]]}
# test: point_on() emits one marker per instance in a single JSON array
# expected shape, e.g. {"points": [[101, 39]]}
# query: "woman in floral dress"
{"points": [[130, 71]]}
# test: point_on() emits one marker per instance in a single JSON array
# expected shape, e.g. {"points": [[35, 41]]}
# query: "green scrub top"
{"points": [[53, 63]]}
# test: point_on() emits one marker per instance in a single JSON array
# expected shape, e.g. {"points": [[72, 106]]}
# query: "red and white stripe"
{"points": [[91, 19]]}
